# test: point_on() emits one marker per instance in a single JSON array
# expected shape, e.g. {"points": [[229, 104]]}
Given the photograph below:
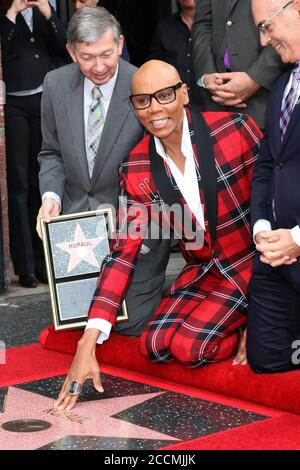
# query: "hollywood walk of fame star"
{"points": [[94, 418], [80, 249]]}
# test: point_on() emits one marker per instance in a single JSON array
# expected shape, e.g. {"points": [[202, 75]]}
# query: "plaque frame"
{"points": [[61, 323]]}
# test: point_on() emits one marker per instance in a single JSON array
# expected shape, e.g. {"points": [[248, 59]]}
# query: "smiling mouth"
{"points": [[99, 76], [159, 123]]}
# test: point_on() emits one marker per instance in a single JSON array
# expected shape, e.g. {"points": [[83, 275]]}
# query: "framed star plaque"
{"points": [[75, 246]]}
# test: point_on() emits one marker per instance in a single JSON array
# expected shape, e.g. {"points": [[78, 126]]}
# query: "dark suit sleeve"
{"points": [[8, 30], [262, 178], [202, 40], [57, 36], [267, 68], [52, 173]]}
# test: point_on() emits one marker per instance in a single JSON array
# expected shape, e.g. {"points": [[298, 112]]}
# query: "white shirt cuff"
{"points": [[200, 82], [261, 225], [103, 326], [295, 232], [53, 196]]}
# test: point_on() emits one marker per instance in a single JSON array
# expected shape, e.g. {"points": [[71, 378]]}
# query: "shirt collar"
{"points": [[107, 89], [186, 144], [27, 15]]}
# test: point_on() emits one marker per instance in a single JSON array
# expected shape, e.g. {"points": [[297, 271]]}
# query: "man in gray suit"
{"points": [[88, 128], [229, 60]]}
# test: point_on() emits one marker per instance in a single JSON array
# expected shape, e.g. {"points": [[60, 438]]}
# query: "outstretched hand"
{"points": [[84, 366]]}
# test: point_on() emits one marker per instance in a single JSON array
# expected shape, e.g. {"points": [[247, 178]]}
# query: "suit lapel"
{"points": [[74, 103], [277, 110], [291, 126], [230, 5], [203, 149], [168, 192], [116, 116]]}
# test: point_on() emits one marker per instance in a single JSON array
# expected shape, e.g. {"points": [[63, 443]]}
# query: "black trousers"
{"points": [[274, 322], [23, 143]]}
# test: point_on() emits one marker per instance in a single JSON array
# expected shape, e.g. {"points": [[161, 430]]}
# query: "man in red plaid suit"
{"points": [[201, 164]]}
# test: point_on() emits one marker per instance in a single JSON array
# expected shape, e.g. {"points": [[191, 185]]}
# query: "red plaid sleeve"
{"points": [[118, 268]]}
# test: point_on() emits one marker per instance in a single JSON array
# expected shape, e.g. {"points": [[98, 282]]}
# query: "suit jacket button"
{"points": [[91, 194], [279, 166], [229, 23], [36, 56], [32, 40]]}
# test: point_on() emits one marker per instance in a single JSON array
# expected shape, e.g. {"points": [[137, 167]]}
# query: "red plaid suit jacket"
{"points": [[233, 140]]}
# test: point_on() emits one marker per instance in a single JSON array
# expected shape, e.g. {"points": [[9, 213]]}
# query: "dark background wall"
{"points": [[137, 17]]}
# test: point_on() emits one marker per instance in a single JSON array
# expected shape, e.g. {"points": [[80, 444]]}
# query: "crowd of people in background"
{"points": [[69, 125]]}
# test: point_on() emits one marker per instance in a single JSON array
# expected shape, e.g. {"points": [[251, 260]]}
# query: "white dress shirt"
{"points": [[263, 224], [28, 17], [187, 182]]}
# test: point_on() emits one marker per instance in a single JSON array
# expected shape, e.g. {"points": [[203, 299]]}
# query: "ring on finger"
{"points": [[75, 388]]}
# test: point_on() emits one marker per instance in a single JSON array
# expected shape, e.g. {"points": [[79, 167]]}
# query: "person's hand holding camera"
{"points": [[18, 6], [42, 5]]}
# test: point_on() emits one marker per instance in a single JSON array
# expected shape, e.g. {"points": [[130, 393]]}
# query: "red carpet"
{"points": [[281, 433], [28, 363], [279, 391], [121, 357]]}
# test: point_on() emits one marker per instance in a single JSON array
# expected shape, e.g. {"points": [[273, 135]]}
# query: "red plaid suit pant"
{"points": [[198, 324]]}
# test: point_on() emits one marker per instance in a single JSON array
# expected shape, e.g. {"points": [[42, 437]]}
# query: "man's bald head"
{"points": [[154, 72], [279, 24], [163, 114], [269, 6]]}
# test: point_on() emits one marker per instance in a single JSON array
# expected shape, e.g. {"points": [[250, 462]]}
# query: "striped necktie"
{"points": [[94, 127], [290, 101]]}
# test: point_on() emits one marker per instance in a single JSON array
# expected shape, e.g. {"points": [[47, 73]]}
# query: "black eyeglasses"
{"points": [[163, 96], [264, 26]]}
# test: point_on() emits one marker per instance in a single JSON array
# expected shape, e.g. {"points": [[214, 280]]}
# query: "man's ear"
{"points": [[185, 94], [121, 44], [70, 50], [297, 5]]}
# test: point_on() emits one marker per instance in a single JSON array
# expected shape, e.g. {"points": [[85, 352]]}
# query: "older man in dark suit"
{"points": [[274, 301], [230, 64]]}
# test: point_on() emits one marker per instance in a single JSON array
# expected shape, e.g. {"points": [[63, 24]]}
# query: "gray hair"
{"points": [[90, 23]]}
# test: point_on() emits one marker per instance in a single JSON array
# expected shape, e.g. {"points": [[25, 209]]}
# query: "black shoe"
{"points": [[41, 275], [28, 280]]}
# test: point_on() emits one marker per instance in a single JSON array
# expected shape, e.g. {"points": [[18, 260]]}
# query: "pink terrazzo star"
{"points": [[80, 249], [86, 419]]}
